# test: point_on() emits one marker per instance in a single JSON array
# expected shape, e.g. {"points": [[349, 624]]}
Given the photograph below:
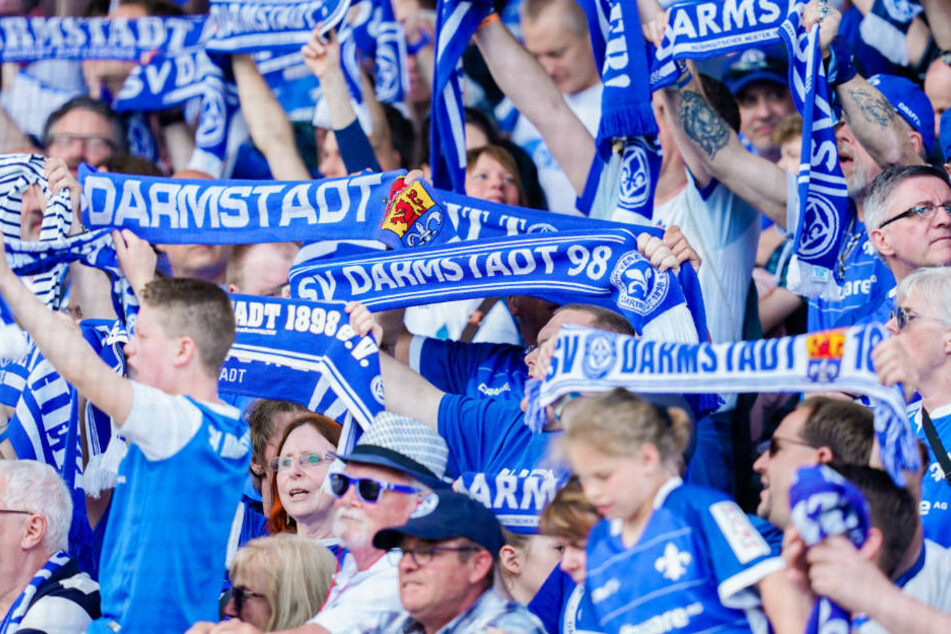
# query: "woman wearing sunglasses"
{"points": [[279, 581], [300, 504]]}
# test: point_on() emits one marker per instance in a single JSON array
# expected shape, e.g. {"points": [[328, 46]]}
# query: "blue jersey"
{"points": [[562, 605], [863, 277], [479, 370], [179, 487], [690, 570], [491, 436], [935, 505]]}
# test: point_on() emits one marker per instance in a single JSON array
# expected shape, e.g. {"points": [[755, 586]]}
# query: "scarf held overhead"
{"points": [[602, 268], [588, 360]]}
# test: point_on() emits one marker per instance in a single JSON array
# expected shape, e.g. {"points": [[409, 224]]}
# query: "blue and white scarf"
{"points": [[181, 211], [11, 621], [823, 192], [45, 424], [517, 500], [456, 23], [588, 360], [247, 26], [823, 504], [709, 29], [31, 39], [13, 344], [295, 350], [885, 28], [596, 267], [379, 37], [293, 84]]}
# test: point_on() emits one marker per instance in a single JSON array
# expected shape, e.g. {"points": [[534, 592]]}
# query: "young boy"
{"points": [[180, 482]]}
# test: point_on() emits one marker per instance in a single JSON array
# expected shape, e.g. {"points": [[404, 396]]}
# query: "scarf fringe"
{"points": [[636, 119]]}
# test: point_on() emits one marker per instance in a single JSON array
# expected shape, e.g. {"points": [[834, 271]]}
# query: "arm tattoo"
{"points": [[874, 107], [702, 123]]}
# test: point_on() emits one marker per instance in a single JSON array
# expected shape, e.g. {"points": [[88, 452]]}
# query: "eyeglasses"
{"points": [[422, 555], [305, 460], [241, 596], [368, 489], [97, 144], [903, 317], [923, 211], [16, 511], [773, 446]]}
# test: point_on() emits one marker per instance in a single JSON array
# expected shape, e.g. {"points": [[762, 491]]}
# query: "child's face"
{"points": [[618, 486]]}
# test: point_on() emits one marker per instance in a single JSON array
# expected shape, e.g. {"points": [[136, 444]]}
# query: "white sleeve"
{"points": [[416, 352], [160, 424]]}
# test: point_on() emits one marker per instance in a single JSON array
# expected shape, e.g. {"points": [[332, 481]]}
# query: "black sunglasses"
{"points": [[241, 596], [368, 489]]}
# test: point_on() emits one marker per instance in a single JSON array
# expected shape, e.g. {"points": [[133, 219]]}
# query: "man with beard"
{"points": [[396, 463], [873, 137]]}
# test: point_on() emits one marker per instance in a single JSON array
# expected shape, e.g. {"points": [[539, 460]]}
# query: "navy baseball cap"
{"points": [[753, 65], [911, 103], [446, 514]]}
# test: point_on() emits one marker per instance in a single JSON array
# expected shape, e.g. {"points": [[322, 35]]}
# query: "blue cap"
{"points": [[911, 103], [753, 65], [446, 514], [946, 135], [516, 501]]}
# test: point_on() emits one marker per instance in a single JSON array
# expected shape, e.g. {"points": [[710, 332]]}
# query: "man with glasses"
{"points": [[83, 130], [41, 586], [394, 465], [446, 571], [908, 216]]}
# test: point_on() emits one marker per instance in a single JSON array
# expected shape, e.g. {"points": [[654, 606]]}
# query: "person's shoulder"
{"points": [[508, 616]]}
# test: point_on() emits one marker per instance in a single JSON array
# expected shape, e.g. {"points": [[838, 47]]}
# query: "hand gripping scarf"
{"points": [[588, 360]]}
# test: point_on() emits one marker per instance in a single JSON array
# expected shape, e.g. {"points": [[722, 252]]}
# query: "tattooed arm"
{"points": [[884, 134], [711, 149]]}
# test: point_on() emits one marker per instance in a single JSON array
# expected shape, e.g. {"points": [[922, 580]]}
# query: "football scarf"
{"points": [[588, 360], [11, 621], [886, 26]]}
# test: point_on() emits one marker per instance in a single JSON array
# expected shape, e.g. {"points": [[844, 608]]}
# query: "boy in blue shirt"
{"points": [[180, 482]]}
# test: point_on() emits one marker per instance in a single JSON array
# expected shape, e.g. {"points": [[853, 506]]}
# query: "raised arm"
{"points": [[268, 124], [523, 80], [64, 347], [710, 147]]}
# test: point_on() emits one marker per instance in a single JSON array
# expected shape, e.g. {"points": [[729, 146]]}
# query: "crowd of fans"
{"points": [[625, 513]]}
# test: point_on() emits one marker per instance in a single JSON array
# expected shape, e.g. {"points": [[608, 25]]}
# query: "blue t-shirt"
{"points": [[179, 487], [863, 277], [935, 505], [562, 605], [479, 370], [691, 569], [490, 435]]}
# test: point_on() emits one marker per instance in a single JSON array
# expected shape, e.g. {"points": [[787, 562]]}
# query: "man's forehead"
{"points": [[384, 474]]}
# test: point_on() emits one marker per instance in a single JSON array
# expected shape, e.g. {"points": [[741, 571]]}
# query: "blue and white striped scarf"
{"points": [[824, 504], [456, 23], [588, 360], [11, 621], [823, 192], [296, 350], [596, 267], [379, 37], [885, 28], [31, 39], [247, 26]]}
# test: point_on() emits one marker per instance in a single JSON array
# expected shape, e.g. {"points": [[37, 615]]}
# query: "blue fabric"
{"points": [[456, 23], [626, 109], [355, 149], [868, 59], [587, 360], [490, 436], [597, 13], [863, 278], [517, 501], [935, 505], [711, 464], [245, 26], [823, 194], [21, 603], [886, 26], [824, 504], [30, 39], [698, 557], [299, 349], [479, 370], [156, 525], [380, 38], [602, 268]]}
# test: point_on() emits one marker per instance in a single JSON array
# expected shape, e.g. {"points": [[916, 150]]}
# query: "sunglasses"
{"points": [[241, 596], [368, 489], [773, 446]]}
